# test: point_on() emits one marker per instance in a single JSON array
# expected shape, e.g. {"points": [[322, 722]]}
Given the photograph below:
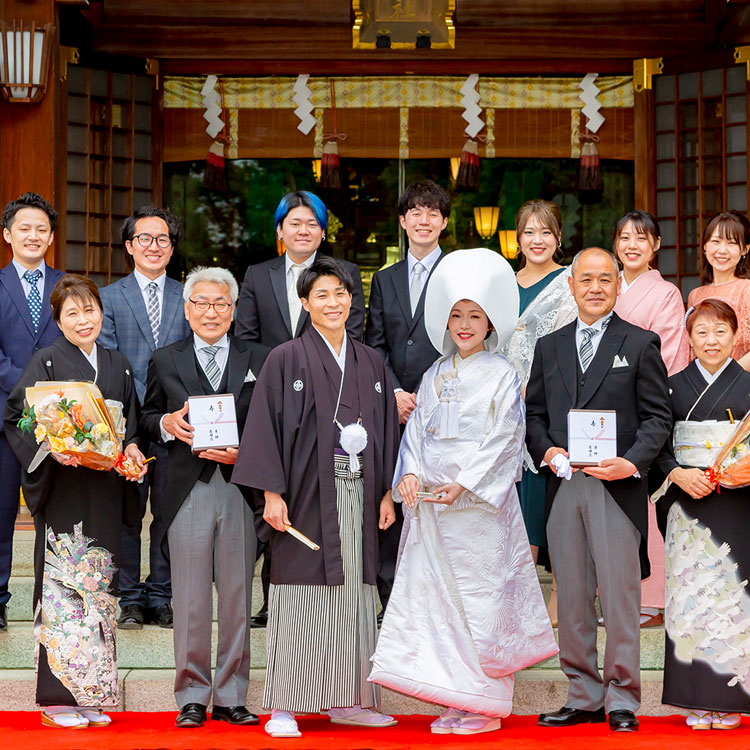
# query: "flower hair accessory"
{"points": [[689, 312]]}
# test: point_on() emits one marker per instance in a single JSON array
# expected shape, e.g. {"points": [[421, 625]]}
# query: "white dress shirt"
{"points": [[707, 376], [144, 281], [595, 338], [21, 270], [291, 286], [428, 262], [203, 359]]}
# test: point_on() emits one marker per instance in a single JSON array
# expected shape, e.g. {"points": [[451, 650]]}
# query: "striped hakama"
{"points": [[319, 639]]}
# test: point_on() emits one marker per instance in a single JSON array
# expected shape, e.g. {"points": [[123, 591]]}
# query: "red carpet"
{"points": [[156, 731]]}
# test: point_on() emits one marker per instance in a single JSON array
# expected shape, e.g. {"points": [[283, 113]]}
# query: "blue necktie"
{"points": [[34, 299]]}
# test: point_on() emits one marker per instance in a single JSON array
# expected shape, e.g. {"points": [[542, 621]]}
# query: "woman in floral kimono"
{"points": [[649, 301], [78, 515], [707, 614], [466, 610]]}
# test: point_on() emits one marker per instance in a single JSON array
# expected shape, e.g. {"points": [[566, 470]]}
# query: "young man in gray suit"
{"points": [[395, 324], [142, 312]]}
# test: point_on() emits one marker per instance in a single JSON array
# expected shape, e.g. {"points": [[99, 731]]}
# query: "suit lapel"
{"points": [[237, 364], [186, 366], [303, 318], [13, 285], [277, 275], [609, 346], [400, 279], [134, 298], [419, 312], [50, 279], [172, 305], [565, 345]]}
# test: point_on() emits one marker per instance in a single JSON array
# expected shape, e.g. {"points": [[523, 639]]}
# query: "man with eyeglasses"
{"points": [[143, 312], [210, 525]]}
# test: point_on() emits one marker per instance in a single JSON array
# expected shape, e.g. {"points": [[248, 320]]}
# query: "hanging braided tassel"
{"points": [[468, 168], [215, 174], [590, 175], [330, 171]]}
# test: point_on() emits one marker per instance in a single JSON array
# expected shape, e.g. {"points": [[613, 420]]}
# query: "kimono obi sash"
{"points": [[697, 444]]}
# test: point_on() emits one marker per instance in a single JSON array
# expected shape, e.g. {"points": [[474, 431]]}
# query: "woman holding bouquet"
{"points": [[707, 609], [78, 515]]}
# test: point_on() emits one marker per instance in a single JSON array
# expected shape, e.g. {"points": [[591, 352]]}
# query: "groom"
{"points": [[597, 520]]}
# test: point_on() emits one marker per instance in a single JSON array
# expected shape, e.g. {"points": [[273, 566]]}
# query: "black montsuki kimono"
{"points": [[288, 443], [707, 614], [78, 514]]}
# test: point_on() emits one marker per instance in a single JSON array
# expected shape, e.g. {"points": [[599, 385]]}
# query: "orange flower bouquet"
{"points": [[732, 466]]}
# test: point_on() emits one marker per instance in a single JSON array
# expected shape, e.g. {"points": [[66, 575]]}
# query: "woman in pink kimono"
{"points": [[648, 301]]}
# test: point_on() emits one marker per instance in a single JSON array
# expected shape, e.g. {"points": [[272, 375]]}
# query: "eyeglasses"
{"points": [[145, 240], [219, 307]]}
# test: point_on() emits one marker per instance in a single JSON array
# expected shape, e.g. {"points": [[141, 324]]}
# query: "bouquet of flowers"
{"points": [[732, 466], [72, 419]]}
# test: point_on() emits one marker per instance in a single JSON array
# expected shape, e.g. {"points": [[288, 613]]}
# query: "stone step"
{"points": [[22, 590], [152, 690], [151, 648]]}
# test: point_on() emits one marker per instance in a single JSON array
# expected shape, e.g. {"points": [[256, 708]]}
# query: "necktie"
{"points": [[212, 368], [417, 284], [34, 299], [154, 314], [295, 306], [586, 352]]}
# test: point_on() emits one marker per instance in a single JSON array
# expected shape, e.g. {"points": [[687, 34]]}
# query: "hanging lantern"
{"points": [[508, 243], [25, 53], [468, 169], [485, 220], [317, 166]]}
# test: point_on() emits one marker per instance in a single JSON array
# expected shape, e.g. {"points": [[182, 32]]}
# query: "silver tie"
{"points": [[295, 306], [212, 368], [586, 351], [417, 284], [154, 314]]}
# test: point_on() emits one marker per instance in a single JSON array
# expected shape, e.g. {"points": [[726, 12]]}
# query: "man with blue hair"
{"points": [[269, 309]]}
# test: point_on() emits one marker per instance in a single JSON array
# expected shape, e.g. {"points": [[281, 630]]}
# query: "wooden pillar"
{"points": [[644, 121], [29, 133]]}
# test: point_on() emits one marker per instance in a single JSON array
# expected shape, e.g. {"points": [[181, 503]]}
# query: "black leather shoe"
{"points": [[568, 717], [260, 620], [623, 721], [191, 715], [3, 617], [131, 617], [234, 715], [162, 616]]}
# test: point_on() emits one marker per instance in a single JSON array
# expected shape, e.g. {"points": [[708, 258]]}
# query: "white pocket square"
{"points": [[250, 377], [619, 362]]}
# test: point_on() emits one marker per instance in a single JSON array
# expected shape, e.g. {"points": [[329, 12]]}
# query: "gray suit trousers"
{"points": [[592, 541], [212, 538]]}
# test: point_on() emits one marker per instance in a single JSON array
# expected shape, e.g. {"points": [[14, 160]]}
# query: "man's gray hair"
{"points": [[215, 275], [578, 255]]}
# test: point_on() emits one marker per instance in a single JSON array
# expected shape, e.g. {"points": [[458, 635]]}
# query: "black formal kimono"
{"points": [[322, 604], [707, 606], [78, 515]]}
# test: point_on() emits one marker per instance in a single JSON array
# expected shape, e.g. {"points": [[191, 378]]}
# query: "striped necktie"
{"points": [[586, 352], [212, 368], [34, 299], [154, 313]]}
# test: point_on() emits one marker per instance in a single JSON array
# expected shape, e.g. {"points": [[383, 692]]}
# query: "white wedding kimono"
{"points": [[466, 610]]}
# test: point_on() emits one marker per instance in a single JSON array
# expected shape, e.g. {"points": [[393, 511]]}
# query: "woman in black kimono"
{"points": [[78, 514], [707, 613]]}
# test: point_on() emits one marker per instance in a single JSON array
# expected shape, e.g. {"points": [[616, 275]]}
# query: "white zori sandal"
{"points": [[63, 717], [725, 721], [699, 719], [476, 724], [282, 724], [95, 716], [357, 716], [444, 724]]}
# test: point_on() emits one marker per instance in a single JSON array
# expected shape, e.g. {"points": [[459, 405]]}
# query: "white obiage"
{"points": [[466, 610]]}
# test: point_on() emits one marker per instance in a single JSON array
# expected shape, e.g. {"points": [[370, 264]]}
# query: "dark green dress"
{"points": [[532, 487]]}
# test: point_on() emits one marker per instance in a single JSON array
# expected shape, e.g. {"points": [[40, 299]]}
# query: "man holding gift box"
{"points": [[210, 527], [597, 517], [25, 285]]}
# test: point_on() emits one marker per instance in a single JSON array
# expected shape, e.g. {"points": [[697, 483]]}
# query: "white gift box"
{"points": [[214, 421]]}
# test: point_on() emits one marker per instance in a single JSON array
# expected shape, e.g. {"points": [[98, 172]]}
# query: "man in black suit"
{"points": [[210, 526], [27, 325], [597, 518], [395, 324], [269, 309]]}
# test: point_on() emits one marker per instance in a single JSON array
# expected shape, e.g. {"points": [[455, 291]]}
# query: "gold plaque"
{"points": [[403, 24]]}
